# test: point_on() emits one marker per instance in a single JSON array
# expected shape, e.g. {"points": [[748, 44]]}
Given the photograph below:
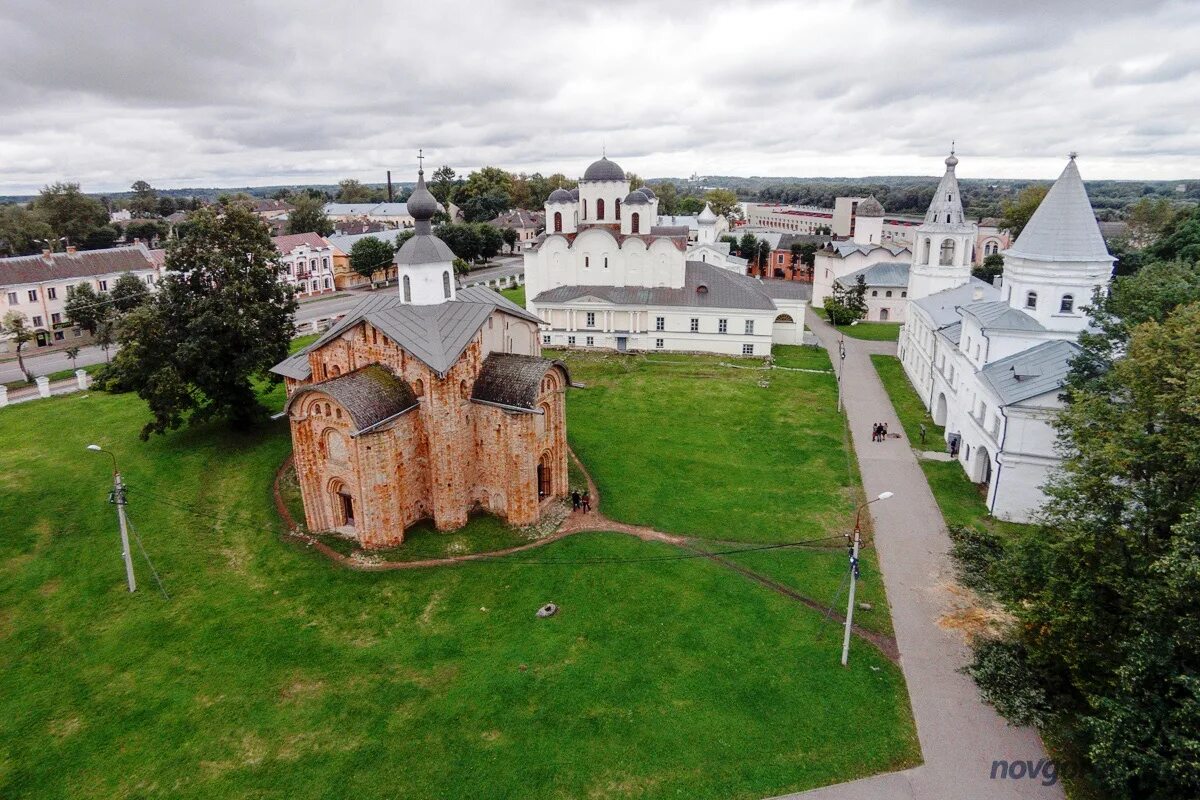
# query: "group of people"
{"points": [[879, 433], [581, 501]]}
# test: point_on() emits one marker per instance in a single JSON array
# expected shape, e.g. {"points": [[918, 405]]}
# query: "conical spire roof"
{"points": [[946, 206], [707, 216], [1064, 227]]}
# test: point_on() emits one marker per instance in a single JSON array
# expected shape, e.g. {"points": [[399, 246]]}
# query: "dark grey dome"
{"points": [[559, 196], [604, 170], [575, 193], [870, 208], [636, 199], [421, 204], [646, 190]]}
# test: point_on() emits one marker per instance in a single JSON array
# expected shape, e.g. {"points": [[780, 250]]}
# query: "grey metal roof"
{"points": [[296, 366], [1064, 226], [370, 395], [997, 314], [725, 289], [345, 242], [434, 334], [513, 380], [1034, 372], [424, 248], [787, 290], [953, 333], [942, 307], [869, 208], [367, 209], [947, 200], [560, 196], [604, 170], [707, 215], [881, 273], [636, 199], [646, 190], [669, 230], [847, 248]]}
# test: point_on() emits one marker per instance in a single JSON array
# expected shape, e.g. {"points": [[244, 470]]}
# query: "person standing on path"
{"points": [[586, 499], [922, 433], [575, 501]]}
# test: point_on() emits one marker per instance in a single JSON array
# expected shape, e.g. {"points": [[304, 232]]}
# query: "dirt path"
{"points": [[579, 522]]}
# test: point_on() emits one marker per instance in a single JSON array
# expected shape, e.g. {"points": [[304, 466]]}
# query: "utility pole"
{"points": [[854, 575], [118, 499], [841, 367]]}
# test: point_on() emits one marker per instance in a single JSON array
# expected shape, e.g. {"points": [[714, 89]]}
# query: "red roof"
{"points": [[80, 264], [287, 244]]}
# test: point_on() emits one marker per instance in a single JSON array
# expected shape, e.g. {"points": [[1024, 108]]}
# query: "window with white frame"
{"points": [[591, 319], [749, 327], [658, 343], [32, 295], [660, 323], [545, 338], [104, 286], [747, 349], [722, 326], [52, 293], [695, 325], [12, 301], [37, 320], [591, 341], [571, 341], [55, 318]]}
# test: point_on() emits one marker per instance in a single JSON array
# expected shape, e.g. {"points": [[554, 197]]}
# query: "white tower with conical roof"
{"points": [[706, 226], [424, 264], [1060, 260], [942, 243]]}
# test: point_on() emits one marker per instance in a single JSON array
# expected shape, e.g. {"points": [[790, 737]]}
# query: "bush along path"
{"points": [[581, 522]]}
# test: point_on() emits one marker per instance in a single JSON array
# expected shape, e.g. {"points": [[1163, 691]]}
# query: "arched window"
{"points": [[558, 222], [606, 262], [446, 283], [618, 209], [1067, 306], [600, 209], [407, 290], [1031, 299], [418, 387], [947, 252], [947, 219], [634, 219], [925, 258], [585, 208]]}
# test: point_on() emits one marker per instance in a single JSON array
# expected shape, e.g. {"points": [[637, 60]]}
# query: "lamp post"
{"points": [[119, 501], [854, 576]]}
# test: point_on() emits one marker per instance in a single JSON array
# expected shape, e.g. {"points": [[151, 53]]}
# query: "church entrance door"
{"points": [[543, 477], [621, 343], [347, 508]]}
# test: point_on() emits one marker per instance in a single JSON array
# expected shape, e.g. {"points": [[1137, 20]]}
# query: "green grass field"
{"points": [[273, 673], [961, 502], [516, 294], [873, 331]]}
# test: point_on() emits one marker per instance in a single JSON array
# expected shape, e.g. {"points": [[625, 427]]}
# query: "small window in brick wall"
{"points": [[418, 388]]}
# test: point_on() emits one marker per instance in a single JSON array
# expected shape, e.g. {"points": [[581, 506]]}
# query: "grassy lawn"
{"points": [[516, 294], [301, 342], [961, 502], [60, 375], [273, 673], [686, 446], [874, 331]]}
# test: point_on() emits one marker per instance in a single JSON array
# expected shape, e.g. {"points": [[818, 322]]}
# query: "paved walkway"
{"points": [[960, 735]]}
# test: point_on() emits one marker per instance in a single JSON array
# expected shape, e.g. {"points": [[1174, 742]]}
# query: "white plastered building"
{"points": [[990, 362], [604, 275]]}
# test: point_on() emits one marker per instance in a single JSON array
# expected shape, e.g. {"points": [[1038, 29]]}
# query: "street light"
{"points": [[119, 500], [854, 575]]}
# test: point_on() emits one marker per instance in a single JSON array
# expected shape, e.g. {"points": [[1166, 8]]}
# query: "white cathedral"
{"points": [[606, 275], [990, 361]]}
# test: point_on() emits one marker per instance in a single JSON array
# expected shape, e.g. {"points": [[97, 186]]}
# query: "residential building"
{"points": [[990, 240], [37, 286], [840, 222], [603, 275], [344, 276], [394, 215], [308, 262], [841, 258], [271, 210], [426, 404], [527, 224], [989, 362]]}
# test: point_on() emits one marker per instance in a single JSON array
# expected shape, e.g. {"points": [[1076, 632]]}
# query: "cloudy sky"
{"points": [[259, 93]]}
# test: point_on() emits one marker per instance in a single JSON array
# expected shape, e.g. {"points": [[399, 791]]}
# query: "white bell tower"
{"points": [[942, 244]]}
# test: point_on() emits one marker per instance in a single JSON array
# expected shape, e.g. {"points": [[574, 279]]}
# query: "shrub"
{"points": [[976, 554], [1006, 681]]}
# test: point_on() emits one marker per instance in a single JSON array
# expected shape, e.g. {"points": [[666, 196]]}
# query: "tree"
{"points": [[1015, 214], [668, 197], [72, 353], [1149, 218], [101, 238], [748, 247], [167, 206], [724, 203], [351, 191], [490, 240], [764, 256], [147, 230], [15, 324], [482, 208], [993, 266], [847, 305], [462, 239], [22, 232], [510, 238], [635, 181], [106, 336], [486, 182], [85, 308], [69, 212], [128, 292], [308, 216], [804, 254], [1105, 596], [369, 255], [687, 205], [144, 202], [1179, 238], [220, 320], [442, 184]]}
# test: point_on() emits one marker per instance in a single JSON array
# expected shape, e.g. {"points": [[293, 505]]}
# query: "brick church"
{"points": [[426, 404]]}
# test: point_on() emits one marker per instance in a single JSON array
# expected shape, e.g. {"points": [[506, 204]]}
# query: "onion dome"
{"points": [[707, 216], [646, 190], [952, 160], [870, 208], [636, 199], [604, 170], [422, 205], [560, 196], [575, 194]]}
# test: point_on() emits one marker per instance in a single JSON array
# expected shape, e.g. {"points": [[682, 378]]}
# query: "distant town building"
{"points": [[270, 209], [308, 262], [429, 403], [37, 286], [344, 276], [394, 215], [527, 224]]}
